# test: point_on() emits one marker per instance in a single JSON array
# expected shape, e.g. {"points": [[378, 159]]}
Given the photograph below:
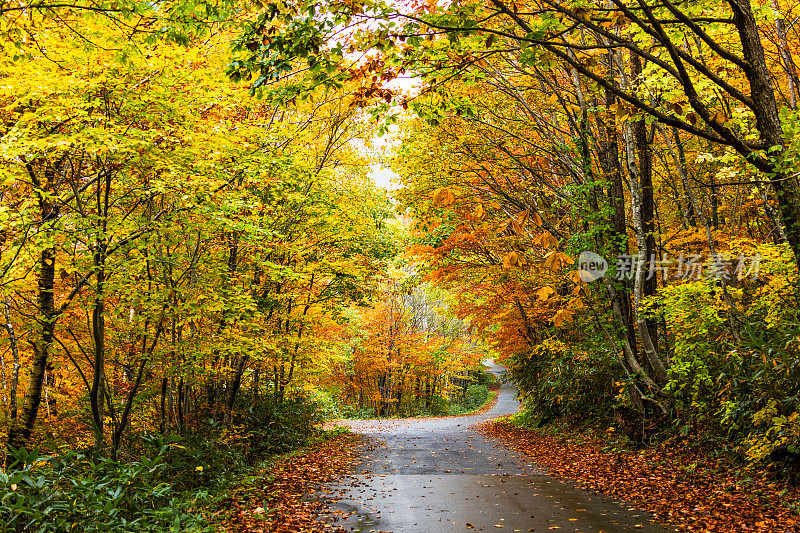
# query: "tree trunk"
{"points": [[97, 394], [648, 347], [12, 339], [768, 121], [180, 405], [119, 430], [786, 55], [162, 419], [772, 215], [233, 387], [618, 237], [20, 431], [647, 201], [679, 162]]}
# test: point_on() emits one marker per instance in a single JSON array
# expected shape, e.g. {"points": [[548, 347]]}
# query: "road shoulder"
{"points": [[691, 493]]}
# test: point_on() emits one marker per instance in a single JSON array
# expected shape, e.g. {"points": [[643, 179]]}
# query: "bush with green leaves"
{"points": [[276, 426], [164, 488], [77, 492], [475, 396], [735, 373], [558, 379], [694, 313]]}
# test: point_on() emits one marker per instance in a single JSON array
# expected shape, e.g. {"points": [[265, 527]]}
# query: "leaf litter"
{"points": [[675, 484], [278, 500]]}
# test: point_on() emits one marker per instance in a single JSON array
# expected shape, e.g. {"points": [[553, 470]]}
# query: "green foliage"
{"points": [[165, 488], [772, 431], [474, 397], [78, 492], [274, 427], [561, 380], [743, 386], [692, 312], [326, 402]]}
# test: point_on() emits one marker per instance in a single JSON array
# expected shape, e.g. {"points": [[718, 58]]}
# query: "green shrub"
{"points": [[735, 377], [358, 413], [439, 406], [195, 460], [327, 402], [694, 314], [79, 492], [560, 380], [75, 492], [475, 396], [273, 426]]}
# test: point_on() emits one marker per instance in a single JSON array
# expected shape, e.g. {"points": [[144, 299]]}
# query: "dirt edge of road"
{"points": [[675, 486]]}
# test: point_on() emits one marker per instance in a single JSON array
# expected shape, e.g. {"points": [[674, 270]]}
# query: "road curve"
{"points": [[440, 475]]}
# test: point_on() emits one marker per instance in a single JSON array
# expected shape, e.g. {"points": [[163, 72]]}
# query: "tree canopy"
{"points": [[603, 195]]}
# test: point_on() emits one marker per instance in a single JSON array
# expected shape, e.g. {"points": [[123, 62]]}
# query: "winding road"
{"points": [[440, 475]]}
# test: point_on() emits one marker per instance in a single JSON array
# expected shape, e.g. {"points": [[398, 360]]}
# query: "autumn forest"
{"points": [[224, 224]]}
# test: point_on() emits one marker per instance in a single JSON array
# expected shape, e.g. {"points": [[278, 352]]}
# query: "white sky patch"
{"points": [[384, 177], [383, 146], [378, 149]]}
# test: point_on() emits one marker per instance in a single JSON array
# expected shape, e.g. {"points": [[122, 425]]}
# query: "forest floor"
{"points": [[674, 483], [273, 499]]}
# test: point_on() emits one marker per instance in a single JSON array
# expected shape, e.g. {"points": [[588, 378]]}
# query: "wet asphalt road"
{"points": [[441, 475]]}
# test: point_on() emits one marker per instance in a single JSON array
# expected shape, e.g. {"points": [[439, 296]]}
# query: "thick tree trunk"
{"points": [[768, 122], [20, 431]]}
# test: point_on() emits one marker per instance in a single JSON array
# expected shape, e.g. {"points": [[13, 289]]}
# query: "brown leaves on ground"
{"points": [[275, 502], [675, 484]]}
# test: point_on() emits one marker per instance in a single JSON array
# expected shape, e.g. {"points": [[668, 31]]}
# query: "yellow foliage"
{"points": [[779, 431], [512, 259], [443, 197]]}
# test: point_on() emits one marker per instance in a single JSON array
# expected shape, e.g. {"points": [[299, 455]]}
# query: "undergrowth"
{"points": [[167, 484]]}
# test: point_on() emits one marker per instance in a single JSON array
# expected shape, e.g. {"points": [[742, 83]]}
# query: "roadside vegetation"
{"points": [[192, 278], [196, 267], [464, 393]]}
